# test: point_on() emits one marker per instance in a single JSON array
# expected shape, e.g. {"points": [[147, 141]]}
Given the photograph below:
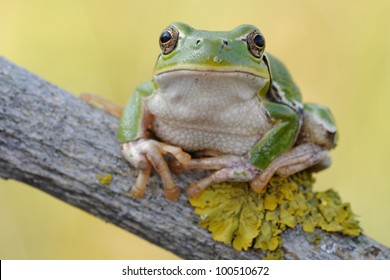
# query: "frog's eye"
{"points": [[168, 39], [256, 43]]}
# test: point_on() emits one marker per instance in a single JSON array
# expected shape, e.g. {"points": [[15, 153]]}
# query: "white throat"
{"points": [[207, 89]]}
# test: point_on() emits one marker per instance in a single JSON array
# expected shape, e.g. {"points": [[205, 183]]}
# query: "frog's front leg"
{"points": [[144, 153], [317, 136]]}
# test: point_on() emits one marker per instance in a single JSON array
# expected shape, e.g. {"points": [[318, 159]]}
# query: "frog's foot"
{"points": [[230, 168], [145, 153], [299, 158]]}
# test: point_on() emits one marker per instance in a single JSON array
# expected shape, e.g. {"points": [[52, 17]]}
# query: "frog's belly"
{"points": [[197, 120], [196, 138]]}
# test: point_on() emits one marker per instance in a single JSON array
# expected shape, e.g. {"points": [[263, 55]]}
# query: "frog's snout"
{"points": [[201, 42]]}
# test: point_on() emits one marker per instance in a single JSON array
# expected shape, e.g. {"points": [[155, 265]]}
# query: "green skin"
{"points": [[202, 51]]}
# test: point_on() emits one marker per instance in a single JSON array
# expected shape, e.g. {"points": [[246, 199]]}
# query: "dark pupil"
{"points": [[165, 37], [259, 41]]}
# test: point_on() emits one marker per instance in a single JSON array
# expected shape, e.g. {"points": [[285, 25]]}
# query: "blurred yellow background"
{"points": [[337, 51]]}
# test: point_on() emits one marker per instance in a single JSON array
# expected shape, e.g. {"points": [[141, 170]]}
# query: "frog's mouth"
{"points": [[210, 84], [220, 70]]}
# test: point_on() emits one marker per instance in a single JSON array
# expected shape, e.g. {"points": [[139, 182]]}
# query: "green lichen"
{"points": [[104, 179], [236, 215]]}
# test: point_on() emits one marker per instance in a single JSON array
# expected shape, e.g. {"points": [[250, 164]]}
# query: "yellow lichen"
{"points": [[236, 215], [104, 179], [270, 202], [230, 212]]}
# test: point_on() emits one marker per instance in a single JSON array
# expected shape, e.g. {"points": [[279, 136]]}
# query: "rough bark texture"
{"points": [[55, 142]]}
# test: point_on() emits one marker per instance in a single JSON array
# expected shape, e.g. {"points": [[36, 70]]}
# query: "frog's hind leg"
{"points": [[210, 163], [229, 168], [100, 102], [297, 159], [229, 174]]}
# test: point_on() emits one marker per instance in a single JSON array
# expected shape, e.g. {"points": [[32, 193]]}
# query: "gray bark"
{"points": [[57, 143]]}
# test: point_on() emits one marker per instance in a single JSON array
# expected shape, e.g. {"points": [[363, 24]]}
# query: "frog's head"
{"points": [[239, 53]]}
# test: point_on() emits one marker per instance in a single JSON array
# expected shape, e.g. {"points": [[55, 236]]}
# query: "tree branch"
{"points": [[55, 142]]}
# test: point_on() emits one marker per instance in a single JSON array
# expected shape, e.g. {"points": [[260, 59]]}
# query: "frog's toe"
{"points": [[138, 190], [172, 192], [259, 183], [194, 189]]}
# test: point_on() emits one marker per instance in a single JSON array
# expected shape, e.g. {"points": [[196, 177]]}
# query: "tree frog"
{"points": [[218, 101]]}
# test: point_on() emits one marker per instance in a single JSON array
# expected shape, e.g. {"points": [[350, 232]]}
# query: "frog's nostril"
{"points": [[224, 44], [198, 41]]}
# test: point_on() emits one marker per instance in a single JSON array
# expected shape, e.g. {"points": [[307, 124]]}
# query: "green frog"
{"points": [[218, 101]]}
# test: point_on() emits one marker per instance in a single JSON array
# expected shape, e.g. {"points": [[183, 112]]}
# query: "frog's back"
{"points": [[282, 79]]}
